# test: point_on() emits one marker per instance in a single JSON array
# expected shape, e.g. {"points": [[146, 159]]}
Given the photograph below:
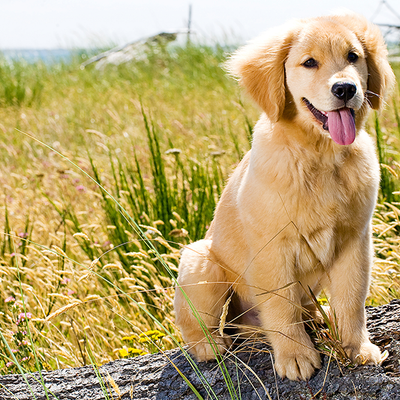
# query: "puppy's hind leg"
{"points": [[204, 284]]}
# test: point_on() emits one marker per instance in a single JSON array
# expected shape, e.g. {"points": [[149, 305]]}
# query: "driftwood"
{"points": [[156, 377], [136, 50]]}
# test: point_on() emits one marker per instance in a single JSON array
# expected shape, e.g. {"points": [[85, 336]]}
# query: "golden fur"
{"points": [[298, 207]]}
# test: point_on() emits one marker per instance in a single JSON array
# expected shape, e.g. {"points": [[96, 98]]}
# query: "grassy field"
{"points": [[85, 273]]}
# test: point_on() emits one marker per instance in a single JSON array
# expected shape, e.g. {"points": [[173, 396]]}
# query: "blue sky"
{"points": [[50, 24]]}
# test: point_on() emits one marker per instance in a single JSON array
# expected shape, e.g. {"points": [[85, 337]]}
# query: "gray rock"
{"points": [[154, 377]]}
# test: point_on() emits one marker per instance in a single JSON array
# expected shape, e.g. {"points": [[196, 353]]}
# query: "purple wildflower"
{"points": [[22, 316]]}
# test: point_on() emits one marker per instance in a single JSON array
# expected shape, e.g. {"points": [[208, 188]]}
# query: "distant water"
{"points": [[47, 56]]}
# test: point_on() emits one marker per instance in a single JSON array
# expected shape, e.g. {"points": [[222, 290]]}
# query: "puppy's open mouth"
{"points": [[339, 123]]}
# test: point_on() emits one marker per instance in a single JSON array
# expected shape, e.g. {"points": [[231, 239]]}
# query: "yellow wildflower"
{"points": [[123, 352], [136, 352], [128, 338]]}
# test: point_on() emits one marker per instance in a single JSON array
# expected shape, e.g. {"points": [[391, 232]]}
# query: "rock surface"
{"points": [[156, 377]]}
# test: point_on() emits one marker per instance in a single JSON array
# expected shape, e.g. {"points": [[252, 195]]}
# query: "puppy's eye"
{"points": [[310, 63], [352, 57]]}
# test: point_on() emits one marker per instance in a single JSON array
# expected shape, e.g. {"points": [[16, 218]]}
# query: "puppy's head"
{"points": [[323, 72]]}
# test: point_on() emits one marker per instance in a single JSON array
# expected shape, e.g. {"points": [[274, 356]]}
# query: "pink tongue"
{"points": [[341, 126]]}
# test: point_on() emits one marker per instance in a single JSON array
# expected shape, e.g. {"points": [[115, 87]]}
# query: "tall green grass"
{"points": [[20, 83], [388, 175]]}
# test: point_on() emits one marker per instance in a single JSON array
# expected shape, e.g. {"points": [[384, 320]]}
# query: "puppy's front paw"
{"points": [[366, 353], [298, 364], [205, 351]]}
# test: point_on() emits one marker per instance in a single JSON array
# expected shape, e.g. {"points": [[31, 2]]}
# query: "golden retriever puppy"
{"points": [[296, 212]]}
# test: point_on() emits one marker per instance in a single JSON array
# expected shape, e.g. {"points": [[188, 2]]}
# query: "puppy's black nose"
{"points": [[344, 90]]}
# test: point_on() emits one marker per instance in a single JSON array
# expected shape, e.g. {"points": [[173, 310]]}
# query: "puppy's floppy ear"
{"points": [[260, 66], [381, 78]]}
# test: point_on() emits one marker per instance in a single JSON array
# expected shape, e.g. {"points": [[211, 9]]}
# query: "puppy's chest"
{"points": [[323, 191], [324, 202], [322, 197]]}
